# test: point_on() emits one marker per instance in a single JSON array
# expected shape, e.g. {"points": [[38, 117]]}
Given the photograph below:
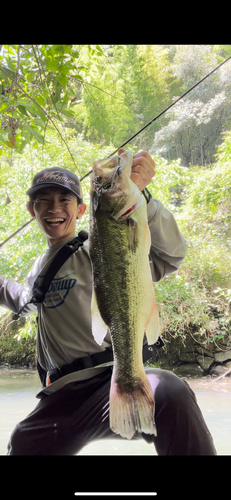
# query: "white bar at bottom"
{"points": [[126, 494]]}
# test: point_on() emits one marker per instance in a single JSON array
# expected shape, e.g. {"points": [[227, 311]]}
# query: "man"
{"points": [[74, 407]]}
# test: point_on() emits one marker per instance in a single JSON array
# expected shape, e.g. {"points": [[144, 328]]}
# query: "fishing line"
{"points": [[136, 134]]}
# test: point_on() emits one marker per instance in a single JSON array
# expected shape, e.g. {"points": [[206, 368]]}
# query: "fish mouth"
{"points": [[54, 221]]}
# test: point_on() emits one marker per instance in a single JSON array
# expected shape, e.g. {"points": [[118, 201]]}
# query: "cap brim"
{"points": [[33, 190]]}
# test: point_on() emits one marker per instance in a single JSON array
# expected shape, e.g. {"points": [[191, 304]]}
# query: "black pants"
{"points": [[69, 419]]}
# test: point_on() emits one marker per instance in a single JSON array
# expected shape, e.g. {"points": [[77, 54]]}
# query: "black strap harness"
{"points": [[39, 291]]}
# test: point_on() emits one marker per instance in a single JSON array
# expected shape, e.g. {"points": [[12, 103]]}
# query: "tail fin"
{"points": [[132, 411]]}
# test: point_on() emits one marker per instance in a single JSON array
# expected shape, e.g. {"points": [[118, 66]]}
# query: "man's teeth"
{"points": [[55, 221]]}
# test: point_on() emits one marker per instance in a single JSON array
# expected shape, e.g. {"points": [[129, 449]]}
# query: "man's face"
{"points": [[56, 211]]}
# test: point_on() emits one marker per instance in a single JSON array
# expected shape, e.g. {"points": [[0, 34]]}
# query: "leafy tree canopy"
{"points": [[38, 89]]}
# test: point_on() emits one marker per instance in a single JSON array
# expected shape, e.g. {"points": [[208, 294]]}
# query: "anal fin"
{"points": [[152, 328]]}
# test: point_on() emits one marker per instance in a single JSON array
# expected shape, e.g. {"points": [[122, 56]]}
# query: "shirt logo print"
{"points": [[58, 291]]}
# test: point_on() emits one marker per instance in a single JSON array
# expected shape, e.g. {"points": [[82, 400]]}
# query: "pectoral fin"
{"points": [[99, 327]]}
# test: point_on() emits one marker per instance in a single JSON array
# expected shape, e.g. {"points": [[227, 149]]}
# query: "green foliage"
{"points": [[38, 88], [18, 352], [195, 125], [129, 85], [136, 83], [108, 93], [197, 299], [171, 182], [17, 341]]}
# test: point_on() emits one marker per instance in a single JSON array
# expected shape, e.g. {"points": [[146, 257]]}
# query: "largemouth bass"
{"points": [[123, 298]]}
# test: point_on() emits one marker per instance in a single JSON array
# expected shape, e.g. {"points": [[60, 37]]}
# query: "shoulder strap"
{"points": [[39, 292]]}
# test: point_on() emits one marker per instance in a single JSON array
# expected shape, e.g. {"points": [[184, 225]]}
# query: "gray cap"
{"points": [[56, 176]]}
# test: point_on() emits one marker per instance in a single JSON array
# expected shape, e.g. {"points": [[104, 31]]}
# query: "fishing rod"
{"points": [[16, 232], [164, 111], [135, 135]]}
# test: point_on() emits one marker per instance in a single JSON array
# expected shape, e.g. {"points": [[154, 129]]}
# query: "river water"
{"points": [[17, 398]]}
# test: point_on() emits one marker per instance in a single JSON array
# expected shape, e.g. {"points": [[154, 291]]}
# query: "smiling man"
{"points": [[56, 202], [74, 403]]}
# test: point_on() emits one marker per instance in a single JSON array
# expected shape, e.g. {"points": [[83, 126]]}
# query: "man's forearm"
{"points": [[168, 247], [13, 296]]}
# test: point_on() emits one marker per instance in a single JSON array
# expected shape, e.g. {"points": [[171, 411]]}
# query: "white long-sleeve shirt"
{"points": [[64, 318]]}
